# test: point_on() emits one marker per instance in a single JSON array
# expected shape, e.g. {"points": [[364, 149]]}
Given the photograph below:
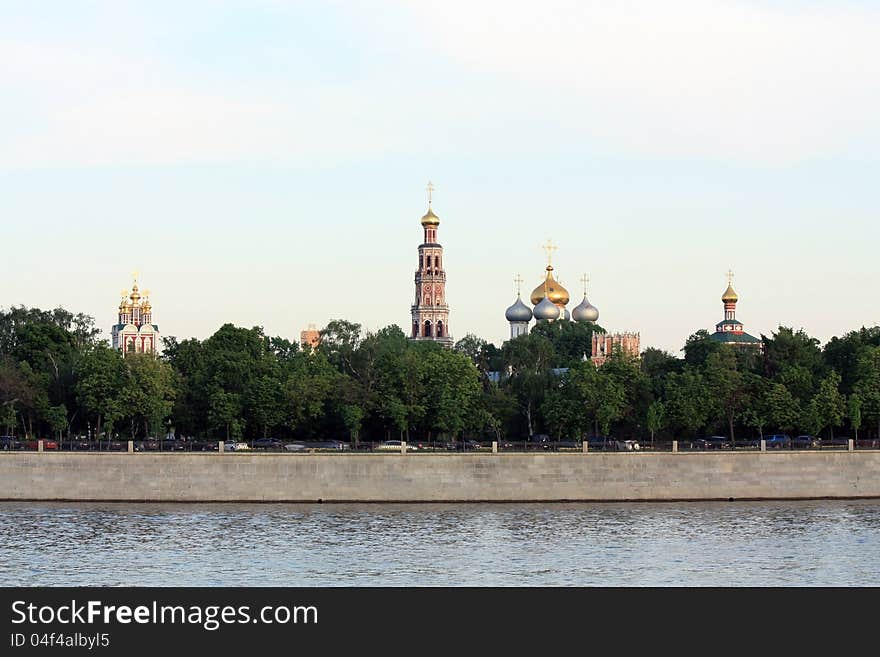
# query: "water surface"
{"points": [[681, 544]]}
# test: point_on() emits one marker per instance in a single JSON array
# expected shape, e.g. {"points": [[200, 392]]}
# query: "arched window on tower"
{"points": [[415, 329], [439, 329], [428, 333]]}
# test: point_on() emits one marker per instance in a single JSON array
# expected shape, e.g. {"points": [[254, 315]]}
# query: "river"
{"points": [[638, 544]]}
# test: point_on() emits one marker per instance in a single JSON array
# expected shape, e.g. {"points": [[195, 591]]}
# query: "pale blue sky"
{"points": [[264, 162]]}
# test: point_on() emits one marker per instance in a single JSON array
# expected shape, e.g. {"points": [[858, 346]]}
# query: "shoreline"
{"points": [[514, 478]]}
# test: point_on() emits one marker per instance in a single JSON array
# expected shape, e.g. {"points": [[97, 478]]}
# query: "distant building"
{"points": [[310, 338], [134, 331], [430, 312], [604, 345], [550, 300], [730, 329]]}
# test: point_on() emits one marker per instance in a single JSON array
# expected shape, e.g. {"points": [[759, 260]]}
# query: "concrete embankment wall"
{"points": [[437, 477]]}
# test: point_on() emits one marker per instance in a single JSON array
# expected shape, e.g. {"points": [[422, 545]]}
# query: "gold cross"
{"points": [[518, 280], [730, 277], [549, 247], [430, 189], [585, 280], [134, 275]]}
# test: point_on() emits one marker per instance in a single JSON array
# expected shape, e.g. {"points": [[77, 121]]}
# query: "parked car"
{"points": [[463, 446], [172, 445], [538, 441], [266, 443], [47, 444], [837, 441], [804, 442], [603, 444], [9, 442], [394, 446], [711, 442], [777, 441], [336, 445], [229, 446]]}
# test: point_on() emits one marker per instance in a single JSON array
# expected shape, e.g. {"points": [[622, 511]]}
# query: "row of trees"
{"points": [[58, 378]]}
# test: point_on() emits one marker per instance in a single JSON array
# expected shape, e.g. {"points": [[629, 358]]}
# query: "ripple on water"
{"points": [[695, 544]]}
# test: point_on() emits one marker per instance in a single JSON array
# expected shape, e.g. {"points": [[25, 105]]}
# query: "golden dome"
{"points": [[430, 219], [729, 295], [554, 290], [135, 295]]}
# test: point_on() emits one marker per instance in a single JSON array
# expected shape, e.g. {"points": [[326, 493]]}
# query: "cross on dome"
{"points": [[549, 247]]}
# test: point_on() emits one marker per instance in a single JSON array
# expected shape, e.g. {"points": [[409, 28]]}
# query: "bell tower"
{"points": [[430, 313]]}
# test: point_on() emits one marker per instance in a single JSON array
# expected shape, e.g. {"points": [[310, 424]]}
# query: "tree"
{"points": [[100, 381], [451, 392], [698, 347], [148, 392], [224, 411], [353, 416], [867, 385], [782, 409], [687, 401], [728, 393], [263, 400], [572, 341], [56, 417], [657, 365], [471, 346], [17, 391], [601, 395], [844, 353], [656, 418], [854, 413], [787, 348], [528, 360], [828, 404], [339, 341]]}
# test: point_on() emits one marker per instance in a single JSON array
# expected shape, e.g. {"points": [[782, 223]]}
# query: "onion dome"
{"points": [[567, 315], [518, 312], [135, 295], [550, 288], [546, 310], [729, 295], [585, 312], [430, 219]]}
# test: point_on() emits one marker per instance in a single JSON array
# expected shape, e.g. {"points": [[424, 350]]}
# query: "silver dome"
{"points": [[585, 312], [518, 312], [546, 310], [567, 315]]}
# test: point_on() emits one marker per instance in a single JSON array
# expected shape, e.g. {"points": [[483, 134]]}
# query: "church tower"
{"points": [[134, 331], [430, 314], [519, 314], [730, 330]]}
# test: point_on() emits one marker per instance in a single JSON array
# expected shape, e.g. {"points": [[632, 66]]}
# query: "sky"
{"points": [[264, 162]]}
